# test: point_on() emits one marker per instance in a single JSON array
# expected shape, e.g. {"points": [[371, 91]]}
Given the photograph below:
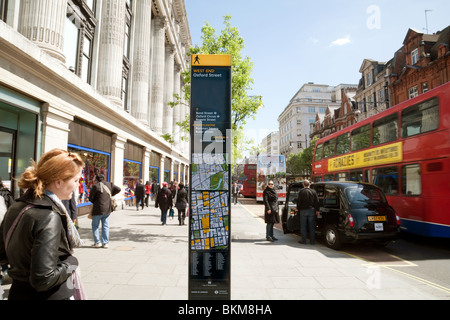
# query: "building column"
{"points": [[168, 89], [117, 156], [162, 161], [42, 21], [177, 109], [146, 165], [141, 60], [56, 128], [111, 50], [157, 90]]}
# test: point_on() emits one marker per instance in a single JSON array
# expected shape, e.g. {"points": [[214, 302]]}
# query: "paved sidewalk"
{"points": [[148, 261]]}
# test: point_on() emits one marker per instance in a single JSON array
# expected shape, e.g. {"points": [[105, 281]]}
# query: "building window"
{"points": [[125, 93], [3, 9], [424, 87], [126, 55], [311, 109], [413, 92], [414, 56], [369, 79], [78, 37]]}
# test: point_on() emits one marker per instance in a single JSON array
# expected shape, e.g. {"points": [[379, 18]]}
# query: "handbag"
{"points": [[113, 201]]}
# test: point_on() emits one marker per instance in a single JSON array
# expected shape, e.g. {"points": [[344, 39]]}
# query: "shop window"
{"points": [[95, 163], [132, 172], [154, 174]]}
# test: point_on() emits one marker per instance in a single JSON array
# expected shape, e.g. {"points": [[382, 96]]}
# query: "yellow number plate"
{"points": [[376, 218]]}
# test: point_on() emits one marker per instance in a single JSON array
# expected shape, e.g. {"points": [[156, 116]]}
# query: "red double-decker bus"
{"points": [[249, 181], [405, 151]]}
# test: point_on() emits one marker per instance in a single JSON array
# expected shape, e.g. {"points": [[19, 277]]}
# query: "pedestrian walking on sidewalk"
{"points": [[235, 191], [37, 236], [164, 202], [148, 188], [100, 196], [181, 203], [139, 193], [271, 214], [308, 205], [154, 190]]}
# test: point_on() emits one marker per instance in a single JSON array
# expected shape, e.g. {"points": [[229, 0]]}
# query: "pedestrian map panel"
{"points": [[209, 220], [210, 172]]}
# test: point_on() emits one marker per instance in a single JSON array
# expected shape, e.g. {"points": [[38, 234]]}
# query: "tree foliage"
{"points": [[229, 41]]}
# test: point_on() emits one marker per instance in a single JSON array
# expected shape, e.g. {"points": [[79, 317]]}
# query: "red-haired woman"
{"points": [[38, 233]]}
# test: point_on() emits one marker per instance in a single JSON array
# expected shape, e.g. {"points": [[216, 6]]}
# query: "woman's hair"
{"points": [[54, 165]]}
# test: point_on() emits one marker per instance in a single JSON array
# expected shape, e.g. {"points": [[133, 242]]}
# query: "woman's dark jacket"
{"points": [[38, 253], [102, 200], [164, 199], [270, 199], [182, 199]]}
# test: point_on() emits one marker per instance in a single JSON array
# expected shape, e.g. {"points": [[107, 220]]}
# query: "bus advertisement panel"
{"points": [[271, 167]]}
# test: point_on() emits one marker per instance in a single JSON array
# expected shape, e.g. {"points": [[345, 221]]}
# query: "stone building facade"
{"points": [[95, 77]]}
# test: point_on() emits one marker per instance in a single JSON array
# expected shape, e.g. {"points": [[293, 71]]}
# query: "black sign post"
{"points": [[210, 178]]}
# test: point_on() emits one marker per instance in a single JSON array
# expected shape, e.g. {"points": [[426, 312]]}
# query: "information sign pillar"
{"points": [[210, 178]]}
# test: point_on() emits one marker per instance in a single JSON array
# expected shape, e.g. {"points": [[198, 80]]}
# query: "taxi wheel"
{"points": [[332, 237]]}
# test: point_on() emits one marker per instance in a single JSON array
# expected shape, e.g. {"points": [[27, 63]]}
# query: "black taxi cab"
{"points": [[349, 212]]}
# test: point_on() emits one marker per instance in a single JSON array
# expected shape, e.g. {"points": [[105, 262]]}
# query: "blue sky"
{"points": [[292, 42]]}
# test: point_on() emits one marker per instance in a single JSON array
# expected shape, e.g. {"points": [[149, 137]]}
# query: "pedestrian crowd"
{"points": [[38, 231]]}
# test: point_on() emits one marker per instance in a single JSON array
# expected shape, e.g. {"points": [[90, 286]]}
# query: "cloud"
{"points": [[341, 41]]}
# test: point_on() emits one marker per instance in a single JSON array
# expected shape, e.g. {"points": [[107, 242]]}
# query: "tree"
{"points": [[301, 163], [230, 42]]}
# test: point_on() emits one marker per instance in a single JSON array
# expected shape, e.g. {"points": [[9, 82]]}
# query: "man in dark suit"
{"points": [[139, 193]]}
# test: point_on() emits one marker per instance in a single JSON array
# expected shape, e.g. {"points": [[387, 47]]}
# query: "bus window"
{"points": [[341, 176], [343, 143], [411, 180], [319, 150], [386, 179], [361, 138], [366, 176], [328, 177], [356, 175], [328, 148], [385, 129], [422, 117], [317, 178]]}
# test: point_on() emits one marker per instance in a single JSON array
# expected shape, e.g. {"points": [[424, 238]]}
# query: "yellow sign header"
{"points": [[211, 60], [382, 155]]}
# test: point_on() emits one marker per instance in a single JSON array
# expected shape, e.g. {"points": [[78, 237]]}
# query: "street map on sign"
{"points": [[210, 175], [209, 220]]}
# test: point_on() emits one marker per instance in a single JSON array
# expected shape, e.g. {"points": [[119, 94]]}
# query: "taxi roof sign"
{"points": [[211, 60]]}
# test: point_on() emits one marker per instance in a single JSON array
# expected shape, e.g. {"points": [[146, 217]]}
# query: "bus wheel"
{"points": [[332, 237]]}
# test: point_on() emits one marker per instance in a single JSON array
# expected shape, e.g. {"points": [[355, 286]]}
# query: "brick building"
{"points": [[423, 63]]}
